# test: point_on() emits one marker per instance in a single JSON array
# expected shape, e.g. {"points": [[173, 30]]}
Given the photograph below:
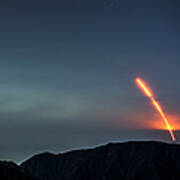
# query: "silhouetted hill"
{"points": [[10, 171], [119, 161]]}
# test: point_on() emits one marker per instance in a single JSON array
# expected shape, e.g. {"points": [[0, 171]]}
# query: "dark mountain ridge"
{"points": [[114, 161], [10, 171]]}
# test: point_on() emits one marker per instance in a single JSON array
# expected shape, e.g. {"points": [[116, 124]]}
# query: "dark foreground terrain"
{"points": [[119, 161], [10, 171]]}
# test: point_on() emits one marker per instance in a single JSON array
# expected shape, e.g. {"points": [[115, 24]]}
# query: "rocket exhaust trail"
{"points": [[147, 91]]}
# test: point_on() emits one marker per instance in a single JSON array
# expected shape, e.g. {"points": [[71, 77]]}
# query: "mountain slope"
{"points": [[10, 171], [127, 161]]}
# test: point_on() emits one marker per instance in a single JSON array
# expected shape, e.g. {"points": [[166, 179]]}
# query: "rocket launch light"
{"points": [[147, 91]]}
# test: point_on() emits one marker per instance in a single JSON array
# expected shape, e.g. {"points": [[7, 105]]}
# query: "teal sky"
{"points": [[67, 71]]}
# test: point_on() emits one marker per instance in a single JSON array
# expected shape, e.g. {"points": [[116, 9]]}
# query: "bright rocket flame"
{"points": [[147, 91], [156, 123]]}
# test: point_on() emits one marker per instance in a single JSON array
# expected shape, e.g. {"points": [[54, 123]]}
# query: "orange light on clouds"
{"points": [[147, 91], [158, 124]]}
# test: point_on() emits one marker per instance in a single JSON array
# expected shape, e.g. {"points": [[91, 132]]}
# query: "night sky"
{"points": [[67, 71]]}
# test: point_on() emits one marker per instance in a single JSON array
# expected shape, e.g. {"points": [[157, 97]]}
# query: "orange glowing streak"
{"points": [[156, 105]]}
